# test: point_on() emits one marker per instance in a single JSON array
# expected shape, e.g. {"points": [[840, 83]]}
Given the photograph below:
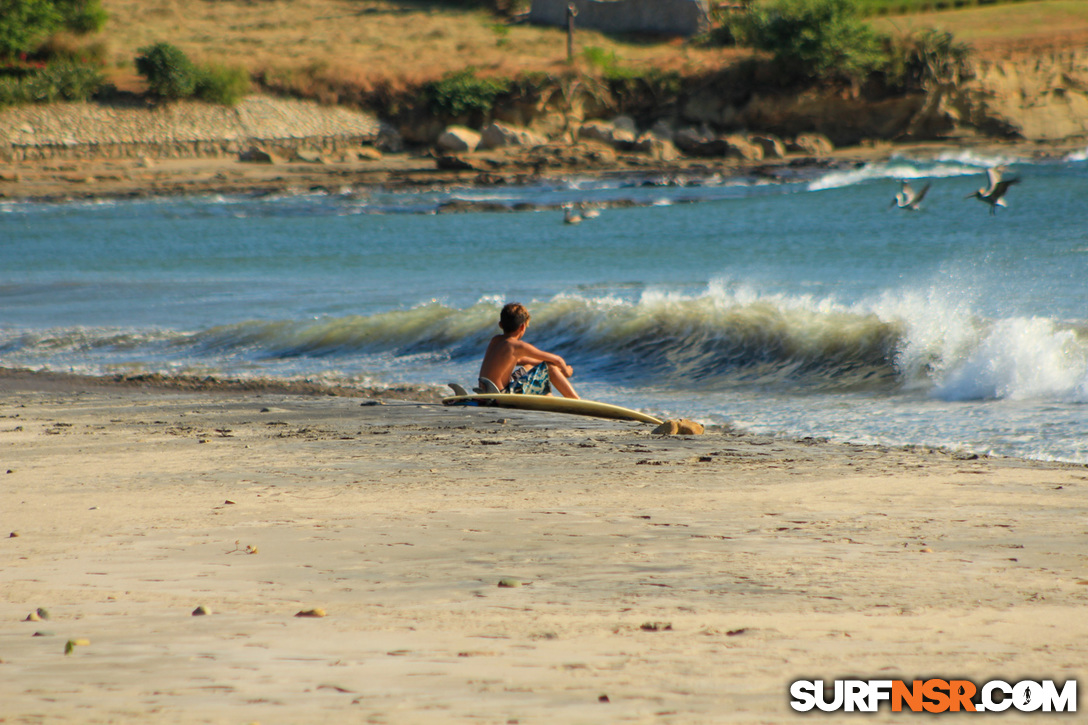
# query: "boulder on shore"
{"points": [[606, 133], [773, 147], [813, 144], [258, 155], [741, 147], [499, 135], [310, 156], [657, 148], [700, 142], [458, 139]]}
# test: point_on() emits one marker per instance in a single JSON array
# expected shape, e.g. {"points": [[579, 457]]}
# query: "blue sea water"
{"points": [[801, 305]]}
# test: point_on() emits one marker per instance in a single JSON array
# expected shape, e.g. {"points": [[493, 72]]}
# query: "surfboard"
{"points": [[552, 404]]}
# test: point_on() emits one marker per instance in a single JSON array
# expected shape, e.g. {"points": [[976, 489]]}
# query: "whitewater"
{"points": [[800, 305]]}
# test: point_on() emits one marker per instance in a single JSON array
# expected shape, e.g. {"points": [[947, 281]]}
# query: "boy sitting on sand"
{"points": [[515, 366]]}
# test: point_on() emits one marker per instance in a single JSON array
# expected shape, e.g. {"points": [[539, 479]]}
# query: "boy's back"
{"points": [[500, 359], [507, 351]]}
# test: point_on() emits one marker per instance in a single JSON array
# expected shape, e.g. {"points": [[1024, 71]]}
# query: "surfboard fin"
{"points": [[457, 389], [486, 386]]}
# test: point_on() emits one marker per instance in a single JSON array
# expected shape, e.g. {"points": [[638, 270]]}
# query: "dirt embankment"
{"points": [[95, 150]]}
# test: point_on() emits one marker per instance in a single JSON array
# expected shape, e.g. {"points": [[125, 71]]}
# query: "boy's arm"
{"points": [[530, 355]]}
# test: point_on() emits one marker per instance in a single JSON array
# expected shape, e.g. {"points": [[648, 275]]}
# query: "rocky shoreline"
{"points": [[127, 178], [127, 148]]}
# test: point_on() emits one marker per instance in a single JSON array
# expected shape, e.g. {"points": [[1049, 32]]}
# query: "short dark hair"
{"points": [[513, 316]]}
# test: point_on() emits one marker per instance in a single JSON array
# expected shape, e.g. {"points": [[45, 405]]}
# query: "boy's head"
{"points": [[513, 316]]}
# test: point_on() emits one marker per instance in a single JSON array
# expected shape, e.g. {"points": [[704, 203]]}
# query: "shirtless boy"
{"points": [[515, 366]]}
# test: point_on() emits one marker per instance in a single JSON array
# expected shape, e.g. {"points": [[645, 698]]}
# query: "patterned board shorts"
{"points": [[530, 382]]}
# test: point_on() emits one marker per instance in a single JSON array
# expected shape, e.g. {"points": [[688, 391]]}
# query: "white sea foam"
{"points": [[973, 158], [894, 169], [1077, 156], [1020, 359]]}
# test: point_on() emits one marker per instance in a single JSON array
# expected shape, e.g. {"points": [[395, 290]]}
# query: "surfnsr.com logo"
{"points": [[933, 695]]}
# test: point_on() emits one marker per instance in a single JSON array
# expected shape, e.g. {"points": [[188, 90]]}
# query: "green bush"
{"points": [[813, 38], [56, 82], [609, 66], [64, 82], [82, 16], [169, 72], [226, 85], [461, 92], [936, 58], [720, 32], [11, 91]]}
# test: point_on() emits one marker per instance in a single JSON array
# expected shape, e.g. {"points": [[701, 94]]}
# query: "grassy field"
{"points": [[1021, 26], [369, 42], [903, 7]]}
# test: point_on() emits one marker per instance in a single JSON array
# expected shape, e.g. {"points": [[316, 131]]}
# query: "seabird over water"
{"points": [[908, 199], [994, 194]]}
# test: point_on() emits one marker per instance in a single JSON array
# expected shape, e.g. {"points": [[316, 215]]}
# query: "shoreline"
{"points": [[25, 380], [478, 567], [61, 181]]}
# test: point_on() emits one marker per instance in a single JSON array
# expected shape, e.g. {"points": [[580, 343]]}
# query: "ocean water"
{"points": [[800, 305]]}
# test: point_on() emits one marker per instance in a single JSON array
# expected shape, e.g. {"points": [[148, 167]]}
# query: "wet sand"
{"points": [[673, 580]]}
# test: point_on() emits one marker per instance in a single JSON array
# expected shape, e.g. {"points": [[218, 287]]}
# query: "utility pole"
{"points": [[572, 12]]}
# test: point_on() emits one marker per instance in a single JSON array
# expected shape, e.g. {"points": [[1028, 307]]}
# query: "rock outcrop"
{"points": [[1043, 98]]}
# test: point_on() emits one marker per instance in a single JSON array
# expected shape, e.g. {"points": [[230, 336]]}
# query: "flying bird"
{"points": [[994, 195], [908, 198]]}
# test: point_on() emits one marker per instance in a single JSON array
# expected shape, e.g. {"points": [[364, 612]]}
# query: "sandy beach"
{"points": [[653, 579]]}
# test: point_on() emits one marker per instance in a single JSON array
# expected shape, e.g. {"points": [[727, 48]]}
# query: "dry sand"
{"points": [[757, 560]]}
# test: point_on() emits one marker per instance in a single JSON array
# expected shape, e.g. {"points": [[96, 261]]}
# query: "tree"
{"points": [[24, 24], [813, 38]]}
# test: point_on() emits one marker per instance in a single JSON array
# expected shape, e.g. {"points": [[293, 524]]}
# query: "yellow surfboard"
{"points": [[552, 404]]}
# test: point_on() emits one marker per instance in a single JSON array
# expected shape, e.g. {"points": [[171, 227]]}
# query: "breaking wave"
{"points": [[720, 338], [946, 165]]}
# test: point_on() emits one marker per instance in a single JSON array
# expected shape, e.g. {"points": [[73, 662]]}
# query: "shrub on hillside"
{"points": [[82, 16], [935, 57], [11, 91], [169, 72], [55, 82], [64, 82], [462, 92], [813, 38], [226, 85]]}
